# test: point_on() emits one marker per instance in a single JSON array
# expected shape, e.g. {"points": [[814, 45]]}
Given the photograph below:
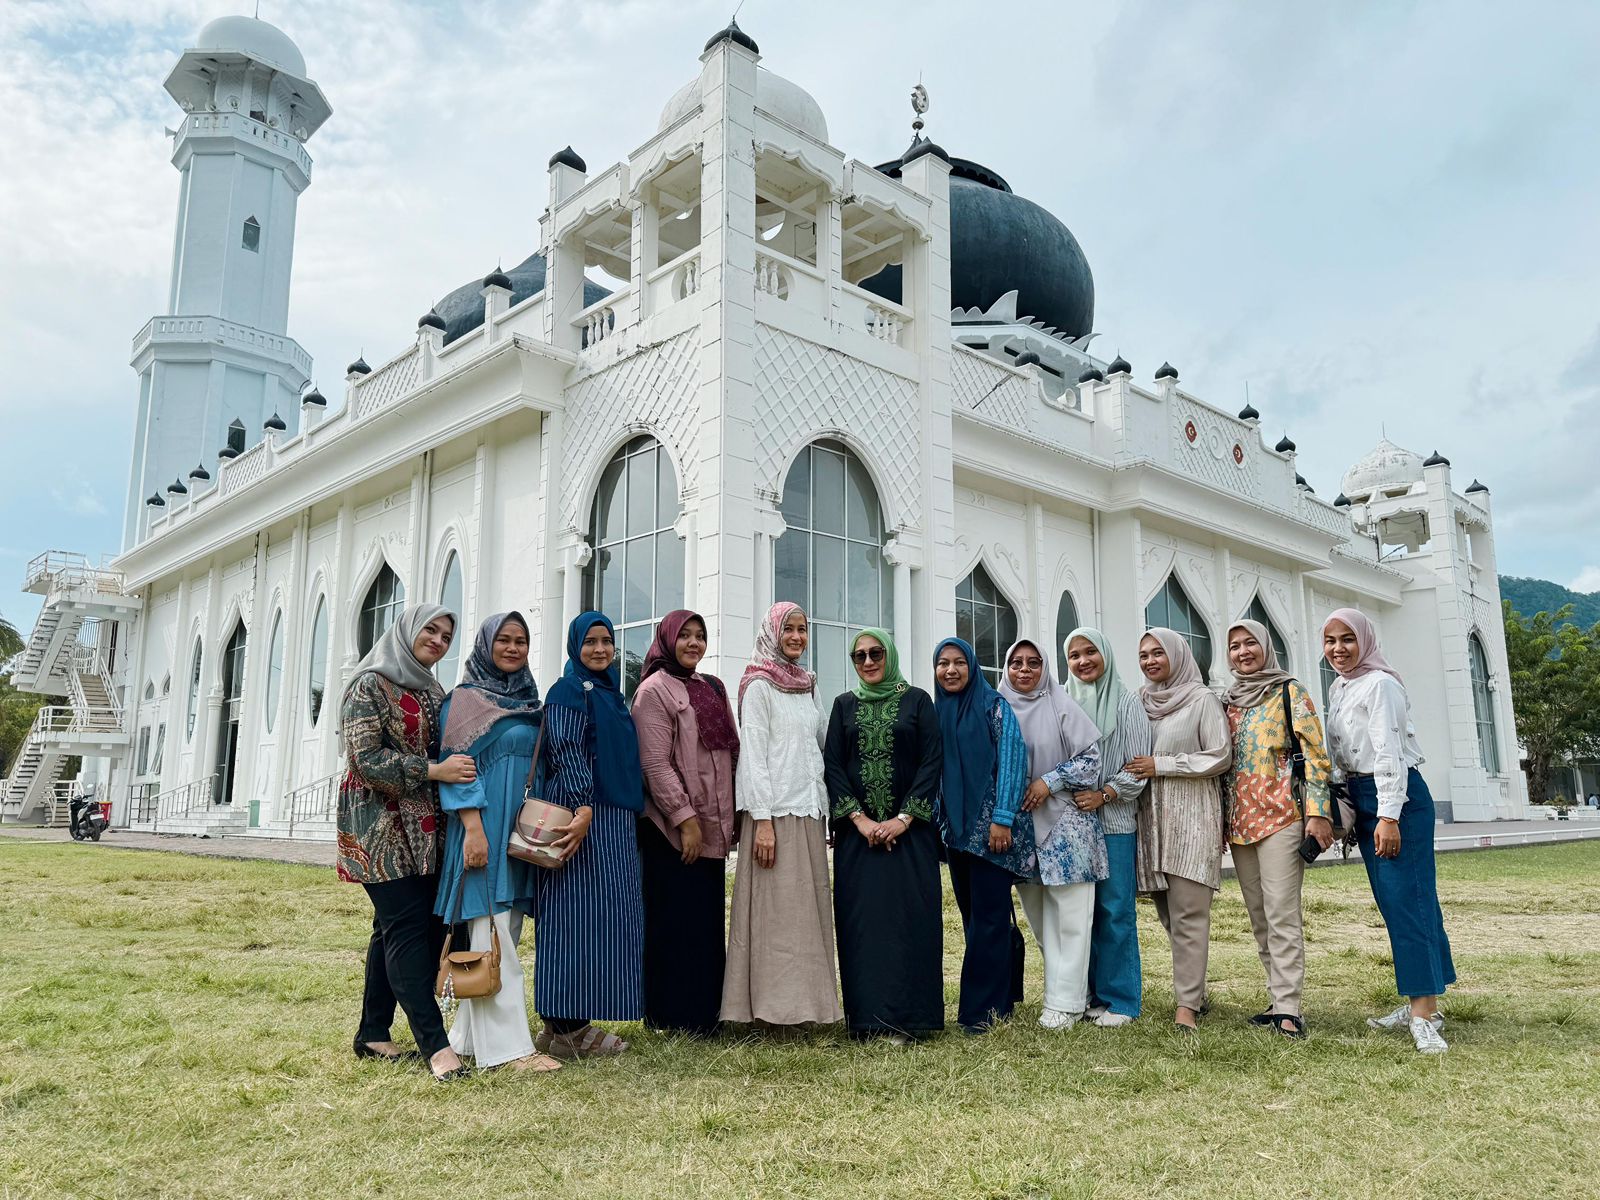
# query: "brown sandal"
{"points": [[588, 1042]]}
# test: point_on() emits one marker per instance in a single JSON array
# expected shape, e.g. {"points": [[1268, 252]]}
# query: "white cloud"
{"points": [[1588, 580]]}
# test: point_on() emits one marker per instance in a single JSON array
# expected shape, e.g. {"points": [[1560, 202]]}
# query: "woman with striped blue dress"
{"points": [[589, 914]]}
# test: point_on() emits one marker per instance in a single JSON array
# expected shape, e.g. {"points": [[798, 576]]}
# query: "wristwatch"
{"points": [[904, 816]]}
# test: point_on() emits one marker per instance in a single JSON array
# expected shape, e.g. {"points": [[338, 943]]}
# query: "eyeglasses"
{"points": [[870, 654]]}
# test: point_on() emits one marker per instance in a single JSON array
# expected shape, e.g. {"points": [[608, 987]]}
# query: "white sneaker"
{"points": [[1054, 1018], [1113, 1020], [1426, 1035], [1095, 1011], [1400, 1018]]}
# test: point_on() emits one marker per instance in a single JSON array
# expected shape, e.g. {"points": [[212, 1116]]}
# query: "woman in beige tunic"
{"points": [[1180, 825]]}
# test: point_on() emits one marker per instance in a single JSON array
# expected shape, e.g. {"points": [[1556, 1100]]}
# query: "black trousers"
{"points": [[685, 939], [991, 968], [402, 961]]}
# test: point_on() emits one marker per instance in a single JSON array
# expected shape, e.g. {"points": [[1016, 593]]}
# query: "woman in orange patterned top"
{"points": [[1266, 822]]}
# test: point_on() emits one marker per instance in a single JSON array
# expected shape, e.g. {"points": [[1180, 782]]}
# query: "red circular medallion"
{"points": [[1238, 454], [1190, 432]]}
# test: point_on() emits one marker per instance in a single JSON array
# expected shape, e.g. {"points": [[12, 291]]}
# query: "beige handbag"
{"points": [[467, 974], [538, 823]]}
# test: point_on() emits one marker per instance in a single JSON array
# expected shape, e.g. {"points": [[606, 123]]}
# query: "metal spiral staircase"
{"points": [[68, 655]]}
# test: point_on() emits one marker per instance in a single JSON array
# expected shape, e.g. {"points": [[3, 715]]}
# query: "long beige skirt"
{"points": [[780, 946]]}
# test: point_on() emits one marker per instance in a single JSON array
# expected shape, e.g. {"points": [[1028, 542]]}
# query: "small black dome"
{"points": [[1249, 413], [568, 157], [497, 278], [735, 35], [923, 146], [1026, 359], [431, 320], [1300, 481], [1436, 460], [156, 501], [1341, 501], [227, 452], [200, 472], [1285, 445], [1119, 366], [1166, 371], [176, 488], [274, 422], [1475, 486], [359, 367], [314, 397], [1091, 373], [462, 309]]}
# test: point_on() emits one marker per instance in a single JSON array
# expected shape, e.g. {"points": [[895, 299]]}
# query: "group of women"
{"points": [[1080, 796]]}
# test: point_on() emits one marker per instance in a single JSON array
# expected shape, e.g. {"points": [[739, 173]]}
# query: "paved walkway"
{"points": [[1465, 835]]}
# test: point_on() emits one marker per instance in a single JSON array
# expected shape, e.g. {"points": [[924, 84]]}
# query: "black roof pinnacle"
{"points": [[1285, 445], [735, 35], [1166, 371], [568, 157]]}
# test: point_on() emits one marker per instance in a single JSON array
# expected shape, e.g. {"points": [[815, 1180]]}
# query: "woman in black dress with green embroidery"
{"points": [[883, 759]]}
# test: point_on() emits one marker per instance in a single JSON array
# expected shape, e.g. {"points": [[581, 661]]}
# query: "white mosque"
{"points": [[864, 388]]}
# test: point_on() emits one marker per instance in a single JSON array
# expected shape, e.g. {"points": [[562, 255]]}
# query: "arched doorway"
{"points": [[232, 710]]}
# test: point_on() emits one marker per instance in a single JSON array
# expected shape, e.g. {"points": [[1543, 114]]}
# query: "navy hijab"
{"points": [[618, 778], [969, 753]]}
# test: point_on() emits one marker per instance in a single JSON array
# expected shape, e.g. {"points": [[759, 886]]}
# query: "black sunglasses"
{"points": [[870, 654]]}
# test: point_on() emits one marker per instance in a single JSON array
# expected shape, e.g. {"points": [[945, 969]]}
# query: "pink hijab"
{"points": [[1369, 657], [1182, 687], [769, 662]]}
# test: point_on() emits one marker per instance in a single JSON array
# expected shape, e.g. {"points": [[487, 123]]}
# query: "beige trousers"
{"points": [[1270, 873], [1185, 912]]}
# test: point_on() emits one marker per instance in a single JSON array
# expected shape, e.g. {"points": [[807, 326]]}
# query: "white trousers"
{"points": [[1062, 919], [494, 1029]]}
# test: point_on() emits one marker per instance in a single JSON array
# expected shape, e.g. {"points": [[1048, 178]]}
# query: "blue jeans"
{"points": [[1406, 889], [1114, 977]]}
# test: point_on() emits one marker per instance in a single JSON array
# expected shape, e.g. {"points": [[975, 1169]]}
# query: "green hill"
{"points": [[1529, 596]]}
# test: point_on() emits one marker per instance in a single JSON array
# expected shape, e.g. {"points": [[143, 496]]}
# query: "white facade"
{"points": [[739, 421]]}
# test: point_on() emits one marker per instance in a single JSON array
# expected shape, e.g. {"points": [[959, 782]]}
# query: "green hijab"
{"points": [[1102, 698], [892, 682]]}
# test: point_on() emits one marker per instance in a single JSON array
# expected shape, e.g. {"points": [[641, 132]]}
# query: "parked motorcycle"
{"points": [[88, 819]]}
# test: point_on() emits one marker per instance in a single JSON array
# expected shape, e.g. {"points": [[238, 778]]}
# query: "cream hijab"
{"points": [[1247, 691], [1182, 687]]}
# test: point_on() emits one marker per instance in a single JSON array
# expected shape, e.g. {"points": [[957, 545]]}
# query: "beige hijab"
{"points": [[1182, 687], [1247, 691]]}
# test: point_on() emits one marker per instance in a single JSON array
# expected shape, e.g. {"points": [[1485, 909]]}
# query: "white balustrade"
{"points": [[235, 473], [686, 279], [597, 323], [772, 277], [396, 378]]}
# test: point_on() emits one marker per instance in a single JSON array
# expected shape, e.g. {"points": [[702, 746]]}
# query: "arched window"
{"points": [[986, 619], [385, 598], [317, 675], [166, 685], [232, 709], [1066, 622], [1328, 674], [144, 751], [830, 558], [1258, 612], [150, 689], [251, 238], [1483, 707], [1172, 608], [194, 692], [635, 575], [274, 669], [451, 596]]}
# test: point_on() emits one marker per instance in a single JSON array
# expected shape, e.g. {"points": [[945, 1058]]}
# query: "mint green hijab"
{"points": [[1103, 698], [893, 682]]}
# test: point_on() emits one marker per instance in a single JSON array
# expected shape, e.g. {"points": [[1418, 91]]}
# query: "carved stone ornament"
{"points": [[1190, 432], [1238, 454]]}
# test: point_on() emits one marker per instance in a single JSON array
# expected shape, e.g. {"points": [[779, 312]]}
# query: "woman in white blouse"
{"points": [[1375, 753], [780, 946]]}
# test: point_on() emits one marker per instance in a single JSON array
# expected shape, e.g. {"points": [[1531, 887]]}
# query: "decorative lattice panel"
{"points": [[1214, 449], [989, 390]]}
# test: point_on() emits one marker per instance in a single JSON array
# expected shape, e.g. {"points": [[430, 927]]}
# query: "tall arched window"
{"points": [[451, 596], [1172, 608], [635, 575], [830, 558], [274, 670], [317, 673], [385, 598], [1483, 707], [1258, 612], [986, 619], [232, 710], [1066, 622], [194, 691]]}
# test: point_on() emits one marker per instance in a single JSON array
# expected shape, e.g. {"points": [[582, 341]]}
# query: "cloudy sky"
{"points": [[1380, 216]]}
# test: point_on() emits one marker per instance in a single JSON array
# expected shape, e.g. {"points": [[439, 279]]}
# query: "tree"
{"points": [[11, 640], [1555, 690]]}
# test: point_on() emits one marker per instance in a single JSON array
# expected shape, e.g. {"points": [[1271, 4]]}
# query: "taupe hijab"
{"points": [[1247, 691], [1182, 687]]}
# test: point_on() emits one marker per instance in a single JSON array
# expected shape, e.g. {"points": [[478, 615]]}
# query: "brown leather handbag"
{"points": [[538, 822], [467, 974]]}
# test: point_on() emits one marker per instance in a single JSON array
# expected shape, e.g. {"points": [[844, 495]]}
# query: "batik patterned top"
{"points": [[1074, 848], [389, 820], [1258, 789]]}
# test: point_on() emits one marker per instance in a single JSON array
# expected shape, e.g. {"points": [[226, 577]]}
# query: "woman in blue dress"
{"points": [[494, 717], [589, 914]]}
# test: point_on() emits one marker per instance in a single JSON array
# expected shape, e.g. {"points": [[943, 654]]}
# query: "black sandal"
{"points": [[362, 1050], [1297, 1033], [1264, 1018]]}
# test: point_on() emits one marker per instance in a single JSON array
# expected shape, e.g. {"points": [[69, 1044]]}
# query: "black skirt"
{"points": [[887, 910], [685, 941]]}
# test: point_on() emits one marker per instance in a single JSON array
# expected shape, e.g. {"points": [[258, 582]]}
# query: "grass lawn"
{"points": [[180, 1026]]}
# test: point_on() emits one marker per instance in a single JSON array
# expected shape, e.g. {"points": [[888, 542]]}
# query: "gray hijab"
{"points": [[1247, 691], [392, 657], [1053, 724]]}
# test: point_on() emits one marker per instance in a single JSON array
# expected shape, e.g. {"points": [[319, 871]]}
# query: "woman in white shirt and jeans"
{"points": [[780, 968], [1375, 753]]}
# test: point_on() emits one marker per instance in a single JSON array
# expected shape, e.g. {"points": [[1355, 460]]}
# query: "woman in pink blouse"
{"points": [[689, 748]]}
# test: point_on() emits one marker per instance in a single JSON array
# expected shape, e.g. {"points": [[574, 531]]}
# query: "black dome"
{"points": [[462, 309], [1249, 413], [430, 320], [1475, 486], [1341, 501], [314, 397], [1166, 371], [176, 488], [156, 501], [1119, 366], [1001, 242], [1436, 460], [274, 422], [1091, 373], [923, 146], [735, 35], [359, 367], [497, 278], [1284, 446], [1300, 481], [200, 472], [568, 157], [1026, 359]]}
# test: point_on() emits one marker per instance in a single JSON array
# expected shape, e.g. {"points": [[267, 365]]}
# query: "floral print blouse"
{"points": [[389, 821], [1258, 789]]}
